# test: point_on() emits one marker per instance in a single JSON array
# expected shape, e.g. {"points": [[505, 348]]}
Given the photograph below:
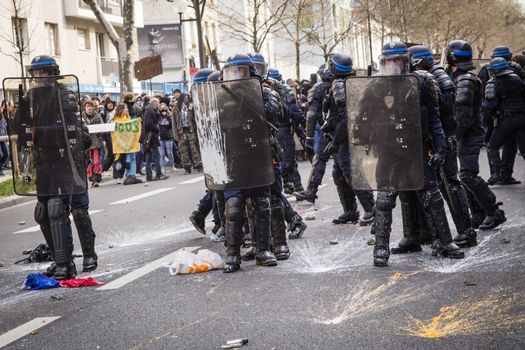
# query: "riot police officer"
{"points": [[421, 59], [500, 174], [395, 61], [467, 107], [505, 95], [314, 117], [237, 67], [56, 130], [339, 67]]}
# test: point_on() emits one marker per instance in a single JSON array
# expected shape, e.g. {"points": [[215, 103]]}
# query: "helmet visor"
{"points": [[235, 72], [261, 68]]}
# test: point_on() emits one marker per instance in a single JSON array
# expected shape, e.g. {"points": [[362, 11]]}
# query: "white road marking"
{"points": [[25, 329], [144, 270], [143, 195], [37, 227], [192, 181], [322, 186]]}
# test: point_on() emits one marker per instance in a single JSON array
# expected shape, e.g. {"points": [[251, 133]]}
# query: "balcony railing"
{"points": [[110, 7]]}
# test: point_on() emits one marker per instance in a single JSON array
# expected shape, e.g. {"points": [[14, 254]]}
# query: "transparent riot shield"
{"points": [[45, 135], [384, 132], [233, 134]]}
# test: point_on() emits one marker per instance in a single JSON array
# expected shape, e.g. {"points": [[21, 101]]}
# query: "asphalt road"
{"points": [[324, 297]]}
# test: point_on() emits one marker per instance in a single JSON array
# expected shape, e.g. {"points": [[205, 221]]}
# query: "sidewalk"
{"points": [[9, 201]]}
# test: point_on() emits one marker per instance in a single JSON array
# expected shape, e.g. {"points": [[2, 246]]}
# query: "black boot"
{"points": [[494, 179], [310, 195], [262, 222], [410, 241], [297, 227], [367, 218], [298, 188], [234, 222], [278, 228], [466, 238], [251, 252], [493, 221], [198, 221], [288, 188], [351, 216], [450, 250], [437, 218], [86, 236], [383, 224], [42, 219], [60, 229]]}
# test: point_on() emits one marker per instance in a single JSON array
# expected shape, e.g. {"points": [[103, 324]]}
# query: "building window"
{"points": [[20, 34], [52, 44], [83, 39], [101, 49]]}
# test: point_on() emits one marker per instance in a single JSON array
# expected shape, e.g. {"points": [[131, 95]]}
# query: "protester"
{"points": [[94, 168], [151, 140], [166, 137]]}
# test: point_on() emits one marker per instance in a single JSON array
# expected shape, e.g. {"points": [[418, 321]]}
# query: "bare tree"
{"points": [[328, 35], [299, 25], [263, 19], [125, 44], [19, 40]]}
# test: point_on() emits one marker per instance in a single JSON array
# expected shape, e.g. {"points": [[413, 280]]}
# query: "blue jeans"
{"points": [[131, 158], [152, 155], [166, 150]]}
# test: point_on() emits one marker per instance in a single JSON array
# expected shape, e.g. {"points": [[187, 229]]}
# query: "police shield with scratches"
{"points": [[237, 155]]}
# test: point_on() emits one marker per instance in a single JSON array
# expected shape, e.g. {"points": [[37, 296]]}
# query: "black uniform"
{"points": [[470, 134]]}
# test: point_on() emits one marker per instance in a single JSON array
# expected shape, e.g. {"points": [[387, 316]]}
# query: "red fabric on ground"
{"points": [[80, 282]]}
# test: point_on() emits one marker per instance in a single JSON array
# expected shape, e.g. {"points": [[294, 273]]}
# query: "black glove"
{"points": [[436, 160]]}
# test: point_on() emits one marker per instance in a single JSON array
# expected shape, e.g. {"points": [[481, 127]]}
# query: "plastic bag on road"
{"points": [[188, 262], [37, 281]]}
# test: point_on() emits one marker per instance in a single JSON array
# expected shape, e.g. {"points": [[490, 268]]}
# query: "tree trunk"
{"points": [[126, 66], [298, 60]]}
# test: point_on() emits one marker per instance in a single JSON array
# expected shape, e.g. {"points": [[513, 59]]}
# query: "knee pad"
{"points": [[235, 209], [41, 213], [80, 215], [385, 202], [56, 208]]}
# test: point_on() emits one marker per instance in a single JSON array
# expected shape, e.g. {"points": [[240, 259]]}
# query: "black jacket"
{"points": [[151, 121]]}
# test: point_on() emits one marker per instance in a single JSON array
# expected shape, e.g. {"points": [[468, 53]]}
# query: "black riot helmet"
{"points": [[499, 66], [338, 65], [259, 62], [45, 64], [274, 73], [420, 56], [394, 59], [239, 66], [202, 75], [459, 53], [215, 76], [502, 51]]}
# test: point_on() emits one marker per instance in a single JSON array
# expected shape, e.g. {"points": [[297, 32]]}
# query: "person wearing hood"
{"points": [[94, 168]]}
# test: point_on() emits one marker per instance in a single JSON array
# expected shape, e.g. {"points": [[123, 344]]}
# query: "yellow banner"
{"points": [[126, 136]]}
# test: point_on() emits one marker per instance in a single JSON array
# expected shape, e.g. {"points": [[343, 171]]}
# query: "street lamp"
{"points": [[180, 6]]}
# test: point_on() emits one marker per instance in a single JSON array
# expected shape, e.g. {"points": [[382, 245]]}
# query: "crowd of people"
{"points": [[168, 141]]}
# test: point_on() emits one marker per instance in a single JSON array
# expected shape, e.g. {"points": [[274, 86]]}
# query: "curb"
{"points": [[14, 200]]}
